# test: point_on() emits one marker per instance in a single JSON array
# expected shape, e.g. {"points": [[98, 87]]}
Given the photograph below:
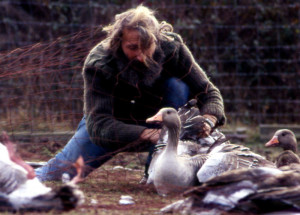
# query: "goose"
{"points": [[170, 170], [180, 171], [191, 141], [285, 139], [22, 191], [243, 191]]}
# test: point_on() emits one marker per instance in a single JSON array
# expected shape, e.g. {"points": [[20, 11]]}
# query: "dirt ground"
{"points": [[104, 187]]}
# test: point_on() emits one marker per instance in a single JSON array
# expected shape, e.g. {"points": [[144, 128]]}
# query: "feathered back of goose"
{"points": [[18, 192], [226, 156], [244, 191]]}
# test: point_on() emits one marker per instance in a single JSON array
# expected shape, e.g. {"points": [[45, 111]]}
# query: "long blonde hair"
{"points": [[140, 18]]}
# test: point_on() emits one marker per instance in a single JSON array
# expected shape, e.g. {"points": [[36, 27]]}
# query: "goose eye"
{"points": [[283, 134], [168, 112]]}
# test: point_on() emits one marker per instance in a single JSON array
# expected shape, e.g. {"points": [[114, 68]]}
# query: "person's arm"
{"points": [[210, 101], [102, 127], [150, 135]]}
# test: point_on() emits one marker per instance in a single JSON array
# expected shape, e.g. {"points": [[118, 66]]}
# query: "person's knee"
{"points": [[177, 93]]}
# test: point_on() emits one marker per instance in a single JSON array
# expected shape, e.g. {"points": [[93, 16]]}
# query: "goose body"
{"points": [[190, 142], [226, 157], [172, 172], [179, 174], [22, 191], [285, 139]]}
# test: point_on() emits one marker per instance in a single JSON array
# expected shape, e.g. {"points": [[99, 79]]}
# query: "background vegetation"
{"points": [[250, 49]]}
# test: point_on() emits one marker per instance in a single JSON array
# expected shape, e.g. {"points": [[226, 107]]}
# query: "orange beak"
{"points": [[156, 118], [272, 142]]}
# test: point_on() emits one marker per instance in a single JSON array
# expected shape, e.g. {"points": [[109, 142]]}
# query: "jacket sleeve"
{"points": [[102, 127], [208, 96]]}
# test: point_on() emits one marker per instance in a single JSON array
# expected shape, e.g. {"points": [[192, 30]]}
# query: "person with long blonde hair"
{"points": [[140, 67]]}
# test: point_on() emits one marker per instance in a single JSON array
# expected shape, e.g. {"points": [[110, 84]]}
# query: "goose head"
{"points": [[170, 121], [167, 117], [285, 139]]}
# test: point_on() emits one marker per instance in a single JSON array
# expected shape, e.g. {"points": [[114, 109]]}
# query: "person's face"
{"points": [[131, 47]]}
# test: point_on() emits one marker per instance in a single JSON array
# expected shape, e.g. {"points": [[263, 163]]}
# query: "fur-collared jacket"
{"points": [[116, 109]]}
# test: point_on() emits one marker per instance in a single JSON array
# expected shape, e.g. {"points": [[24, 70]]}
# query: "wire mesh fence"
{"points": [[249, 49]]}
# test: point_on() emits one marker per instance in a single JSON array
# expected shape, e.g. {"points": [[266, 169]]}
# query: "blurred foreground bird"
{"points": [[21, 191], [243, 191]]}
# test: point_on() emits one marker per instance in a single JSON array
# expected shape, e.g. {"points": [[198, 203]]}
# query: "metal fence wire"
{"points": [[249, 49]]}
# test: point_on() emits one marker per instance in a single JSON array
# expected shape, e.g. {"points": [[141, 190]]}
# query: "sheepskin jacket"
{"points": [[116, 110]]}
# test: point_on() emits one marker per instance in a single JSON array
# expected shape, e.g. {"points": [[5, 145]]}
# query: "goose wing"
{"points": [[196, 161], [229, 157], [191, 121]]}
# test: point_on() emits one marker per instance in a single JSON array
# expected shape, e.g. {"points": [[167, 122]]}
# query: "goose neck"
{"points": [[173, 136], [292, 146]]}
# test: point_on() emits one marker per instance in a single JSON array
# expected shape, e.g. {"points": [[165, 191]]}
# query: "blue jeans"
{"points": [[94, 156]]}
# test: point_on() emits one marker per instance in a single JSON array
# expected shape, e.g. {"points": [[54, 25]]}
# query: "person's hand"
{"points": [[210, 123], [151, 135], [206, 130], [195, 127], [198, 127]]}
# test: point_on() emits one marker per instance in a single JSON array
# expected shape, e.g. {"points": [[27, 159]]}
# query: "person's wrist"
{"points": [[210, 120]]}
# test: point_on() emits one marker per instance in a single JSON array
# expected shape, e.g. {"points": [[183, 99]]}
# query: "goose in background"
{"points": [[21, 191], [285, 139], [243, 191]]}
